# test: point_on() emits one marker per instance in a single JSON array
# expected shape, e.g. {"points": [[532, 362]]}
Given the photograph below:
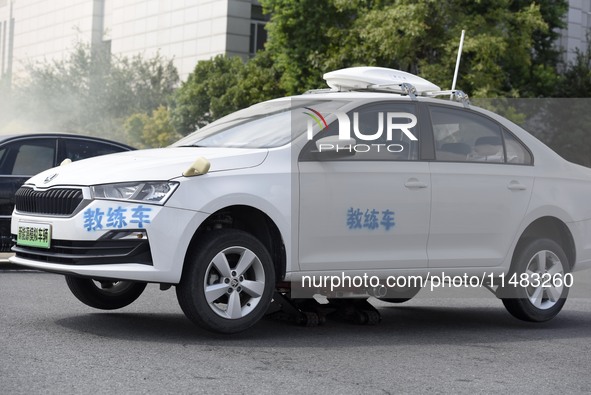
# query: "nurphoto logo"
{"points": [[348, 136]]}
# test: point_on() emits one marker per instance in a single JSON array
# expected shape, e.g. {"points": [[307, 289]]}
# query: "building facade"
{"points": [[184, 30], [578, 26]]}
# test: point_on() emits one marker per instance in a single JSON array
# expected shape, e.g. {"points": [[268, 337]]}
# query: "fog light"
{"points": [[125, 235]]}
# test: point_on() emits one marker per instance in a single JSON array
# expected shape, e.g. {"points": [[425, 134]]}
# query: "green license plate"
{"points": [[34, 235]]}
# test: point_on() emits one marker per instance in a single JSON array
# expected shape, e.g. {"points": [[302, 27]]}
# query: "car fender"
{"points": [[533, 214], [278, 215]]}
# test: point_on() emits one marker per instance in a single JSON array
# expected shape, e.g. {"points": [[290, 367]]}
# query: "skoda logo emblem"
{"points": [[49, 178]]}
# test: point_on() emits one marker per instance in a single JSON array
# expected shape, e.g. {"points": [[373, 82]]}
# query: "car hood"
{"points": [[147, 165]]}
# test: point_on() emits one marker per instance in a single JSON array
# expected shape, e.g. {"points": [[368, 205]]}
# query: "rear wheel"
{"points": [[105, 295], [539, 267], [228, 283]]}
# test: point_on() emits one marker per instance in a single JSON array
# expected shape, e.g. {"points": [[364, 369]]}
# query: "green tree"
{"points": [[542, 78], [506, 51], [304, 35], [198, 101], [576, 81], [563, 122], [92, 93], [145, 131], [223, 85], [256, 82]]}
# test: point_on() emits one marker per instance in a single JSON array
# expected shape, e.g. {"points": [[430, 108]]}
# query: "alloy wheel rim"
{"points": [[113, 287], [234, 282], [543, 265]]}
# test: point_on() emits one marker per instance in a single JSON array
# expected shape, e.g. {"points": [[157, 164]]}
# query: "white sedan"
{"points": [[373, 178]]}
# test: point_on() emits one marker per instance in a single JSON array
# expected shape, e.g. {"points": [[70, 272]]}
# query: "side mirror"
{"points": [[334, 145]]}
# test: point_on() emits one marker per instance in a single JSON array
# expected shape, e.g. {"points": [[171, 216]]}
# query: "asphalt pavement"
{"points": [[452, 341]]}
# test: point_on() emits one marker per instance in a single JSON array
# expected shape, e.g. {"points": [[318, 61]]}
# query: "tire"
{"points": [[401, 295], [537, 304], [228, 282], [106, 295]]}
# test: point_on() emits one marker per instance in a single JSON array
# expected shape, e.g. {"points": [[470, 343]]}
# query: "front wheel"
{"points": [[228, 283], [105, 295], [539, 293], [400, 295]]}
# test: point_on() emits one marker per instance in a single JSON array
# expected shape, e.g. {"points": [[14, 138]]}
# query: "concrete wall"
{"points": [[578, 24], [185, 30], [47, 29]]}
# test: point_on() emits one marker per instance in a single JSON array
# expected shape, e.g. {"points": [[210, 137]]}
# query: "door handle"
{"points": [[413, 183], [516, 186]]}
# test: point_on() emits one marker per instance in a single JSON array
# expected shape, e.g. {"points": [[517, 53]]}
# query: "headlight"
{"points": [[156, 192]]}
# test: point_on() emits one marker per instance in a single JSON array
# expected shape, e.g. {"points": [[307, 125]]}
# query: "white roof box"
{"points": [[377, 79]]}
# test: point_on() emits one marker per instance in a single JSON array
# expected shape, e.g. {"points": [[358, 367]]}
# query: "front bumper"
{"points": [[89, 252], [82, 245]]}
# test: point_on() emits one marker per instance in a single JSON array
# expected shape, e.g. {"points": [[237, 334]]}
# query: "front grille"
{"points": [[100, 252], [58, 201]]}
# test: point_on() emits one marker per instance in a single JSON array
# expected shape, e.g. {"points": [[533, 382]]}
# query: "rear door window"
{"points": [[78, 149], [462, 136], [28, 158]]}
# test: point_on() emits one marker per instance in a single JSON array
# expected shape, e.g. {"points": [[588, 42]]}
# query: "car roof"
{"points": [[13, 137], [368, 95]]}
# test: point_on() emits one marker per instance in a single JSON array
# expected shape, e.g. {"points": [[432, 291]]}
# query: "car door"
{"points": [[481, 186], [365, 210], [19, 160]]}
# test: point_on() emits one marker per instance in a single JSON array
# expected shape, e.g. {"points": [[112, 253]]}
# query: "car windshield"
{"points": [[265, 125]]}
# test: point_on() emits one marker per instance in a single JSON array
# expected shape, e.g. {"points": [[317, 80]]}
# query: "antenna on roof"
{"points": [[453, 84]]}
